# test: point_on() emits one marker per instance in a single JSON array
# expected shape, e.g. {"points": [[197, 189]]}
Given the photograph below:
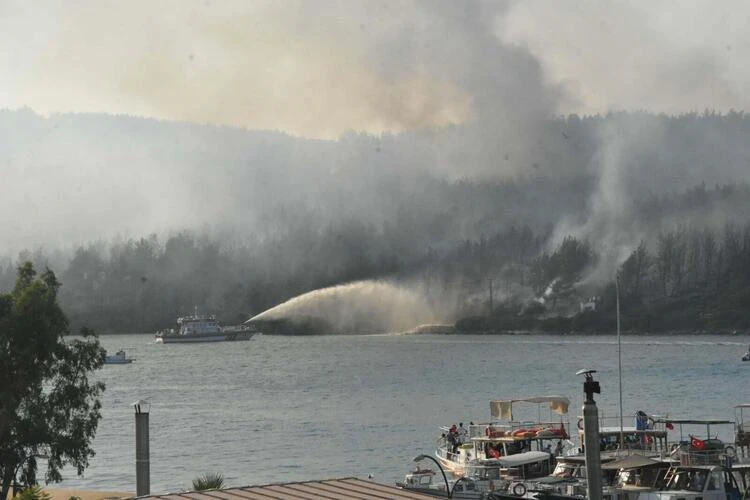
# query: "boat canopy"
{"points": [[504, 408], [695, 422], [630, 462]]}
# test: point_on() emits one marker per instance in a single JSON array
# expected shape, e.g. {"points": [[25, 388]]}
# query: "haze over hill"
{"points": [[309, 150]]}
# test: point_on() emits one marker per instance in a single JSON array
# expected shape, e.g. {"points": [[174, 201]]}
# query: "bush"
{"points": [[208, 481], [34, 493]]}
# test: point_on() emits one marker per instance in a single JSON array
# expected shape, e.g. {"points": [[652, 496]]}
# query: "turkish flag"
{"points": [[697, 443]]}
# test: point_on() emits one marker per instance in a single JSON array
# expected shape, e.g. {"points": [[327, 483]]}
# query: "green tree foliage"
{"points": [[48, 406]]}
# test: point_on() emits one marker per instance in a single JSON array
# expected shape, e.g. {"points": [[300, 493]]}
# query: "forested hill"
{"points": [[144, 220]]}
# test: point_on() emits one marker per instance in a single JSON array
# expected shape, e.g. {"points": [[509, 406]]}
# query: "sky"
{"points": [[318, 69]]}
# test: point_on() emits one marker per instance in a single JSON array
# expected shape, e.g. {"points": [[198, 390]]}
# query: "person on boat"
{"points": [[452, 443], [559, 448], [462, 432], [453, 435]]}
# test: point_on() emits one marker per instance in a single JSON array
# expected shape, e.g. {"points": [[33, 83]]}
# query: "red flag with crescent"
{"points": [[696, 443]]}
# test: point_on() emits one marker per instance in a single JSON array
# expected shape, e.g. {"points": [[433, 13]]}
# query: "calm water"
{"points": [[279, 409]]}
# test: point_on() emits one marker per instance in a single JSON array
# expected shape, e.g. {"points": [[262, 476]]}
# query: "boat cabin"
{"points": [[707, 482], [418, 478], [647, 435], [520, 466], [702, 442], [630, 477]]}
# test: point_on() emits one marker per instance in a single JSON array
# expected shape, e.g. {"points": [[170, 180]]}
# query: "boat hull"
{"points": [[450, 467], [194, 339]]}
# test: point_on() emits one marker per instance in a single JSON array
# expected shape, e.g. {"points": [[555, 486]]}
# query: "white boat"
{"points": [[506, 436], [423, 480], [202, 328], [118, 358]]}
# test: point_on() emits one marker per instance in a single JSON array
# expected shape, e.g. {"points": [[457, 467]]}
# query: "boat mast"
{"points": [[619, 356]]}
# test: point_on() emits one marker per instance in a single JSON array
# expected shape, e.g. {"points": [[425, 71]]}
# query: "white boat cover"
{"points": [[528, 457], [504, 408]]}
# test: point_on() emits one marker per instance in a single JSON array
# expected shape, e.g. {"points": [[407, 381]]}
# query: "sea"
{"points": [[284, 409]]}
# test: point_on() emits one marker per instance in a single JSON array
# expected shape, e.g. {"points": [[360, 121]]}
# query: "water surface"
{"points": [[279, 409]]}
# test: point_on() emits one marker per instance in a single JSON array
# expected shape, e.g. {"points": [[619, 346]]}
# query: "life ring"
{"points": [[519, 489], [580, 424], [729, 451]]}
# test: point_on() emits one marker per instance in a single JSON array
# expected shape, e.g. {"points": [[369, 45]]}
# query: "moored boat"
{"points": [[118, 358], [425, 480], [505, 435], [203, 328]]}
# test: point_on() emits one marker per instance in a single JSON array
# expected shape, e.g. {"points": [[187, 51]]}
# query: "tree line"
{"points": [[141, 285]]}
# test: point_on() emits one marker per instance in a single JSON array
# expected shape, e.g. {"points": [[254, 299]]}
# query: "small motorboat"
{"points": [[118, 358]]}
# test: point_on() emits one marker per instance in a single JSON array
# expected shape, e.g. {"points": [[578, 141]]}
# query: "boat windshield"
{"points": [[563, 469], [690, 480], [482, 472]]}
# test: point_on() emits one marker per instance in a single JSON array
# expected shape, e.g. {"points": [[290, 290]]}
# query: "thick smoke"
{"points": [[465, 104], [639, 54], [446, 90]]}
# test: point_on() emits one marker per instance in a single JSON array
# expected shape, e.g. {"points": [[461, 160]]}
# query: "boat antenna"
{"points": [[619, 357]]}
